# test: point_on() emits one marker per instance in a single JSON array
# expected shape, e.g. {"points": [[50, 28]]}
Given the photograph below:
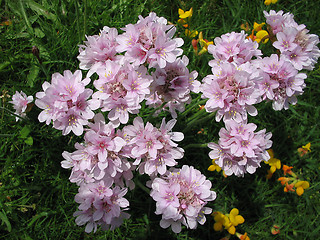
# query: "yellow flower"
{"points": [[235, 218], [262, 35], [185, 14], [258, 26], [204, 43], [274, 163], [214, 167], [219, 221], [300, 186], [268, 2], [304, 149], [191, 33]]}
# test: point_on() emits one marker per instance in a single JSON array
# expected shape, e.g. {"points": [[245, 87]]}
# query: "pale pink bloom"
{"points": [[231, 93], [20, 102], [98, 49], [240, 149], [180, 198]]}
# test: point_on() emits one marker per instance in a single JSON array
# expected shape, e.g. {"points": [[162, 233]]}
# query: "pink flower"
{"points": [[20, 102], [240, 149], [231, 93], [233, 47], [98, 49], [65, 102], [181, 196], [100, 205], [172, 85]]}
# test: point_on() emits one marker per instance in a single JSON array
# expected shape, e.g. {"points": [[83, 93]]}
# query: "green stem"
{"points": [[197, 121], [196, 145], [154, 110], [191, 107], [6, 135], [85, 19], [13, 113], [197, 115], [144, 188]]}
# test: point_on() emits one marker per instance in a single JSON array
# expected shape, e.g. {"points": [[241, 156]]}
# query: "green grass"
{"points": [[36, 197]]}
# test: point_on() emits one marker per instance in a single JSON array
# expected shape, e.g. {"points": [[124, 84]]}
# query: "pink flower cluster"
{"points": [[172, 85], [181, 196], [65, 102], [121, 89], [281, 81], [150, 40], [102, 161], [101, 205], [231, 92], [233, 47], [293, 41], [240, 149], [153, 148], [20, 103]]}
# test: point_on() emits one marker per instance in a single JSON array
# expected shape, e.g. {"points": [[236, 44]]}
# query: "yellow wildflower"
{"points": [[304, 149], [191, 33], [300, 186], [262, 35], [204, 43], [214, 167], [268, 2], [219, 219], [258, 26], [185, 14], [274, 163]]}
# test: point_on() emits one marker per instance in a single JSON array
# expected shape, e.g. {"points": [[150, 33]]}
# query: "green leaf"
{"points": [[38, 33], [25, 132], [29, 141], [41, 10], [5, 220], [33, 74]]}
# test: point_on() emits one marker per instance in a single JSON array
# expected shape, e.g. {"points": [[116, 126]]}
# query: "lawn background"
{"points": [[36, 197]]}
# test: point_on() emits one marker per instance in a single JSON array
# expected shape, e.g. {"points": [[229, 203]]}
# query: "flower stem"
{"points": [[197, 121], [196, 145], [144, 188]]}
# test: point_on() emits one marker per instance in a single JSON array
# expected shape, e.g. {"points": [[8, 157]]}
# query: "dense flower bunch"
{"points": [[293, 40], [153, 148], [172, 85], [240, 149], [64, 102], [242, 77], [144, 66], [20, 103], [231, 92], [233, 47], [181, 196]]}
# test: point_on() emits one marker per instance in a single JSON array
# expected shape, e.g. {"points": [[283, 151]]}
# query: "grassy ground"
{"points": [[36, 198]]}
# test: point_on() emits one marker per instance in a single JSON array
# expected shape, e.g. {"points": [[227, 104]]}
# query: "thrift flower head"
{"points": [[65, 102], [181, 197], [240, 149], [20, 102]]}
